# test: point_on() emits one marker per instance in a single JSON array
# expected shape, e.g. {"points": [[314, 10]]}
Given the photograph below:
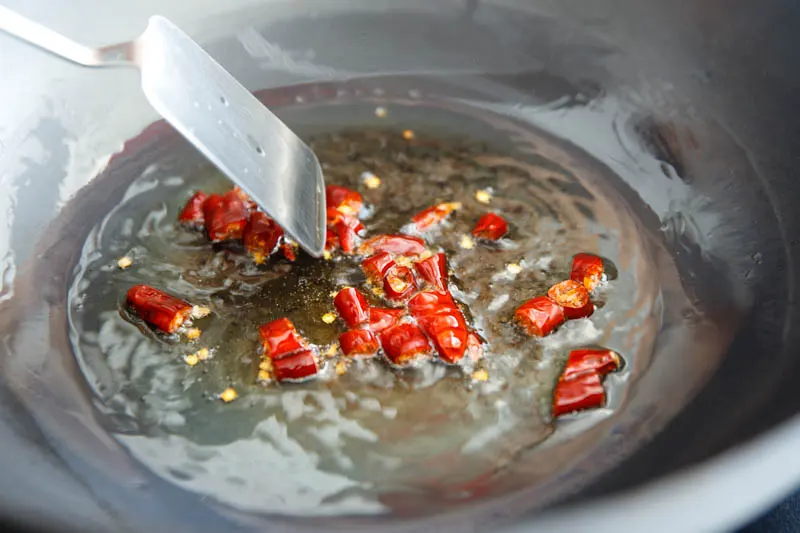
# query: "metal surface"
{"points": [[221, 118]]}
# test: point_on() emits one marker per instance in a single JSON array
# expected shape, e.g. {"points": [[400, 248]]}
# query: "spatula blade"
{"points": [[235, 131]]}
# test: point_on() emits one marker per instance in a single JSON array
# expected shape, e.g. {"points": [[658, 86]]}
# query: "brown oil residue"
{"points": [[352, 440]]}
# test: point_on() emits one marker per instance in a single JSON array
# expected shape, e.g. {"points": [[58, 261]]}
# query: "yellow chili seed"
{"points": [[513, 268], [408, 134], [480, 375], [341, 367], [381, 112], [124, 262], [200, 311], [483, 196], [467, 243], [264, 376], [329, 318], [192, 334], [203, 354], [191, 359], [228, 395]]}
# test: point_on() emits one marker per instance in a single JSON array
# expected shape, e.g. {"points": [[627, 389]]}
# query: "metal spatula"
{"points": [[215, 113]]}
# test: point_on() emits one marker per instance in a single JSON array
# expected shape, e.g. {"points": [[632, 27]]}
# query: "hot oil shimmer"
{"points": [[204, 410]]}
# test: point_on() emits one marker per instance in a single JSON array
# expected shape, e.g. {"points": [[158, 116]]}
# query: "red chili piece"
{"points": [[288, 251], [433, 215], [375, 266], [491, 227], [573, 297], [279, 339], [192, 213], [586, 360], [381, 318], [359, 342], [448, 332], [584, 391], [225, 216], [441, 319], [347, 229], [394, 244], [475, 349], [352, 307], [426, 303], [539, 316], [587, 269], [404, 343], [343, 199], [246, 200], [434, 271], [399, 283], [331, 240], [159, 309], [261, 236], [296, 367]]}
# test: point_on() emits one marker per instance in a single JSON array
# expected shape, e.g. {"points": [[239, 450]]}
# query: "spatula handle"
{"points": [[55, 43]]}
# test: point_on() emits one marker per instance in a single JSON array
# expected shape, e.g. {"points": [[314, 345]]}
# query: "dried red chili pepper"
{"points": [[261, 236], [157, 308], [448, 332], [475, 348], [587, 269], [288, 251], [343, 199], [581, 361], [352, 307], [404, 342], [347, 230], [279, 338], [491, 227], [539, 316], [225, 216], [441, 319], [573, 297], [381, 318], [375, 266], [359, 342], [433, 215], [584, 391], [296, 367], [245, 198], [331, 240], [192, 212], [399, 283], [394, 244], [434, 271], [428, 302]]}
